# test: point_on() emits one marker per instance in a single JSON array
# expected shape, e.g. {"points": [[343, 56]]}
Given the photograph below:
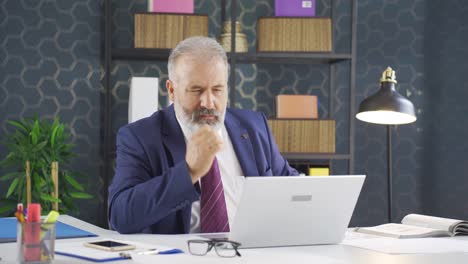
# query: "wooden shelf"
{"points": [[140, 54], [315, 156], [251, 57], [290, 57]]}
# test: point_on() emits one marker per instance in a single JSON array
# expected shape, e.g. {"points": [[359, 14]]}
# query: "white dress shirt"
{"points": [[231, 176]]}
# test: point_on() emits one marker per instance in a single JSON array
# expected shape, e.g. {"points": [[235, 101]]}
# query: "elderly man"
{"points": [[181, 169]]}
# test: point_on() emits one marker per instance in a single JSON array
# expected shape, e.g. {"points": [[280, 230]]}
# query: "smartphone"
{"points": [[109, 245]]}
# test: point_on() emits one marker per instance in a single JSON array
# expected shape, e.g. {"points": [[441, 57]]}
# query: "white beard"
{"points": [[192, 125]]}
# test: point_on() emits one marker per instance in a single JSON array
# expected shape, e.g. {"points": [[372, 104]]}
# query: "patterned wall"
{"points": [[390, 33], [50, 64]]}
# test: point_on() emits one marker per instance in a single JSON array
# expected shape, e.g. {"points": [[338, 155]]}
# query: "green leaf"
{"points": [[60, 130], [12, 187], [18, 125], [11, 175], [40, 146], [8, 207], [73, 182], [49, 198], [35, 133], [80, 195], [54, 134]]}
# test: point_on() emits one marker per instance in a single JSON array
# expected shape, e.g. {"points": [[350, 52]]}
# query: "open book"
{"points": [[416, 226]]}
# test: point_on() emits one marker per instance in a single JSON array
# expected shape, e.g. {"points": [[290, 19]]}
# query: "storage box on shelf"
{"points": [[296, 106], [311, 34], [171, 6], [295, 8], [304, 135], [156, 30]]}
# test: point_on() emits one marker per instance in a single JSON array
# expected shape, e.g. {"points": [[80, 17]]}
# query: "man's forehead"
{"points": [[197, 59]]}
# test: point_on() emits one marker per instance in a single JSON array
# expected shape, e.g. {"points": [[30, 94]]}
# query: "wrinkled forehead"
{"points": [[197, 59]]}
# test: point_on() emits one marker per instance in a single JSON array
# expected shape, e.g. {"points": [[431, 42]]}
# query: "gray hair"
{"points": [[200, 48]]}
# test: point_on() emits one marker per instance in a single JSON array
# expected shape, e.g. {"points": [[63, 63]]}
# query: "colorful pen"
{"points": [[48, 222], [32, 233], [20, 213]]}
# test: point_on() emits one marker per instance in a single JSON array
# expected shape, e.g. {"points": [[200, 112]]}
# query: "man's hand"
{"points": [[201, 151]]}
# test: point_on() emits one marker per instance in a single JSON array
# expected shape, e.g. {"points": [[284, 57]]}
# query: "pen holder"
{"points": [[35, 243]]}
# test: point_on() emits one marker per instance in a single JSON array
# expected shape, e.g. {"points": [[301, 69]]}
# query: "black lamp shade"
{"points": [[386, 107]]}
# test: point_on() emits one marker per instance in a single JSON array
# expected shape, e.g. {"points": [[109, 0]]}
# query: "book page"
{"points": [[410, 246], [439, 223], [401, 231]]}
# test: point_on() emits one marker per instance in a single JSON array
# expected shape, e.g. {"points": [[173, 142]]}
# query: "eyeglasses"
{"points": [[223, 248]]}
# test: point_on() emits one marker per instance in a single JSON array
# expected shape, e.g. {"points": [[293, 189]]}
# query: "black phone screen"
{"points": [[108, 243]]}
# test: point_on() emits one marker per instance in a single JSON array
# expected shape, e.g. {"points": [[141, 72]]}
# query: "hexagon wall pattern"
{"points": [[50, 61], [50, 66]]}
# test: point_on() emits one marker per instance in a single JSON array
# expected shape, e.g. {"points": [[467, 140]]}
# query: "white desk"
{"points": [[333, 254]]}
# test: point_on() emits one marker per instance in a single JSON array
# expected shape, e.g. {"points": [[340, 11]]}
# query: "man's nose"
{"points": [[208, 100]]}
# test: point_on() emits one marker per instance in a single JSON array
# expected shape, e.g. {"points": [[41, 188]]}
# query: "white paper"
{"points": [[409, 246], [143, 98]]}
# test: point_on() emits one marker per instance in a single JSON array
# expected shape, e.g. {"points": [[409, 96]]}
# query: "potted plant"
{"points": [[36, 148]]}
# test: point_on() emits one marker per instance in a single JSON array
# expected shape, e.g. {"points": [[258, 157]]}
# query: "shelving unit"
{"points": [[330, 59]]}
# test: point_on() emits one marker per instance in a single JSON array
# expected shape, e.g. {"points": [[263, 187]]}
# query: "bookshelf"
{"points": [[329, 60]]}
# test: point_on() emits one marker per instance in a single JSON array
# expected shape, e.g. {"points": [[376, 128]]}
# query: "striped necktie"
{"points": [[213, 212]]}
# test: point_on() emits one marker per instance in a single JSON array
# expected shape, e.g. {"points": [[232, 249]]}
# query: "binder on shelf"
{"points": [[295, 8], [296, 106], [316, 170], [300, 34], [143, 98], [156, 30], [171, 6], [304, 135]]}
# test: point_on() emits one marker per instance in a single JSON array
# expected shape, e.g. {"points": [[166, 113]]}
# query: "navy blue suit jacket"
{"points": [[152, 191]]}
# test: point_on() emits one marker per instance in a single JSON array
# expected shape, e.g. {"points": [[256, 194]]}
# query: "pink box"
{"points": [[295, 8], [171, 6]]}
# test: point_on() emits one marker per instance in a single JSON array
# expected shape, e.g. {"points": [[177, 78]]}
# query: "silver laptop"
{"points": [[302, 210]]}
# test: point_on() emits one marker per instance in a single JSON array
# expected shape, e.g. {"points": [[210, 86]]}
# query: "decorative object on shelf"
{"points": [[387, 107], [36, 148], [294, 34], [304, 135], [153, 30], [296, 106], [143, 97], [295, 8], [171, 6], [319, 170], [225, 38]]}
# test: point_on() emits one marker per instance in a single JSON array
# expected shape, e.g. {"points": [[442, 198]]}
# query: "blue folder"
{"points": [[8, 230]]}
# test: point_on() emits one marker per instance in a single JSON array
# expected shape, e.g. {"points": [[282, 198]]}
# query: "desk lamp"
{"points": [[387, 107]]}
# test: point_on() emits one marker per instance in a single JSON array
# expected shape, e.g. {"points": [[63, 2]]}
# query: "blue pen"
{"points": [[157, 252]]}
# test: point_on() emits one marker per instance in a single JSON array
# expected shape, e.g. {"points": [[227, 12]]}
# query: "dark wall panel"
{"points": [[446, 160]]}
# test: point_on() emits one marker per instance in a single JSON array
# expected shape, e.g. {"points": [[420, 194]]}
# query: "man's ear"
{"points": [[170, 90]]}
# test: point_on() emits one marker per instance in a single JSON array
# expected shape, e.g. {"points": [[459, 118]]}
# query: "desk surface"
{"points": [[333, 254]]}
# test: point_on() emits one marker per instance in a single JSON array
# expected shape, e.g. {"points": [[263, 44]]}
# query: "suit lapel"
{"points": [[242, 145], [173, 138]]}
